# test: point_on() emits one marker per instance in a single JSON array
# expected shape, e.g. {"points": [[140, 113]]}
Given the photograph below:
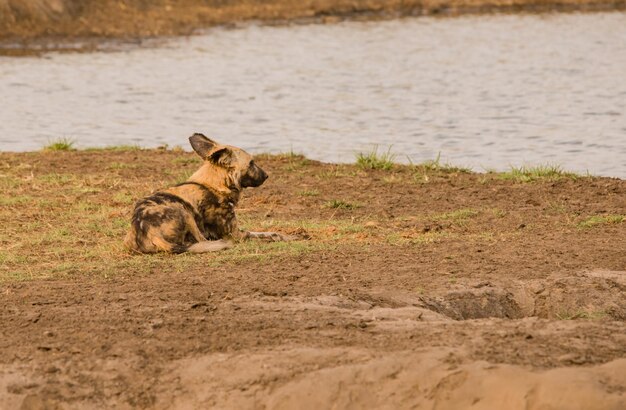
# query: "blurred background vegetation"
{"points": [[32, 19]]}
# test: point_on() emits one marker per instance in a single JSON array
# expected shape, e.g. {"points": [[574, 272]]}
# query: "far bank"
{"points": [[25, 22]]}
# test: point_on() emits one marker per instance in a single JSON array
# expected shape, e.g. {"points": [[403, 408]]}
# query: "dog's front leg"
{"points": [[241, 235], [271, 236]]}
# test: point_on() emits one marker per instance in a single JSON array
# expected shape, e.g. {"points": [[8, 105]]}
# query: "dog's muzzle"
{"points": [[263, 176], [254, 178]]}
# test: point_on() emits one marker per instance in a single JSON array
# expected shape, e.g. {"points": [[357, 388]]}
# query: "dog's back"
{"points": [[158, 224], [164, 222]]}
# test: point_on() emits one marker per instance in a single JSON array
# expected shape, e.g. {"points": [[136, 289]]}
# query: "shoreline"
{"points": [[40, 26], [514, 171]]}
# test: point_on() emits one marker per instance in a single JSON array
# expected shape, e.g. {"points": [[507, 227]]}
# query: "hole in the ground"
{"points": [[476, 304], [592, 295]]}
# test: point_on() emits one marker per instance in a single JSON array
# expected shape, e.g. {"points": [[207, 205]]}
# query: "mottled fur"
{"points": [[199, 214]]}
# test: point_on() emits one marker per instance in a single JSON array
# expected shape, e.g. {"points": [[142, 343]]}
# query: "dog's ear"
{"points": [[222, 156], [203, 146]]}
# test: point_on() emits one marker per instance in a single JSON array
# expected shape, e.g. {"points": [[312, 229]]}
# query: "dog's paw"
{"points": [[270, 236], [277, 237]]}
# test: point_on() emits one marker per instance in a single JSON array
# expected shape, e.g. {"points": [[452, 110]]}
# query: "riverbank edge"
{"points": [[362, 160], [102, 28]]}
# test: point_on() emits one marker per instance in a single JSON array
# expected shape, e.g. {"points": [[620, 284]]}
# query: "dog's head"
{"points": [[238, 164]]}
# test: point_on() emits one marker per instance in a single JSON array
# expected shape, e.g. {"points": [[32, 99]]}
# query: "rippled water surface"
{"points": [[486, 92]]}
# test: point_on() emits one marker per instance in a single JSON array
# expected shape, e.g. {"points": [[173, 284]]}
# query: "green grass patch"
{"points": [[596, 220], [187, 160], [180, 177], [311, 192], [340, 204], [56, 179], [435, 165], [9, 182], [115, 148], [86, 190], [15, 200], [121, 165], [61, 144], [296, 164], [125, 198], [86, 207], [289, 155], [374, 160], [498, 213], [539, 172], [262, 251]]}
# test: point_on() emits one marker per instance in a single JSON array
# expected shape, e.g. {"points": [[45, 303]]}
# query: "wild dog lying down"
{"points": [[199, 214]]}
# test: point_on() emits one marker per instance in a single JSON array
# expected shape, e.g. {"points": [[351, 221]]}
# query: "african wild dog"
{"points": [[199, 214]]}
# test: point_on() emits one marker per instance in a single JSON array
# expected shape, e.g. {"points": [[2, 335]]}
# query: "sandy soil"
{"points": [[75, 25], [405, 303]]}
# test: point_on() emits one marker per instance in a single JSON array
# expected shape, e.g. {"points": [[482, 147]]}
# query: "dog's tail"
{"points": [[209, 246], [159, 244], [130, 242], [198, 247]]}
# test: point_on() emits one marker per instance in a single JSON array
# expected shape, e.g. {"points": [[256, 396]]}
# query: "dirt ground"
{"points": [[417, 287]]}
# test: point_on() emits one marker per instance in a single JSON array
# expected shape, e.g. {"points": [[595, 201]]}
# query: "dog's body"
{"points": [[199, 214]]}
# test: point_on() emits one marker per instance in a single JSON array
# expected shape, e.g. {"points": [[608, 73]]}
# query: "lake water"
{"points": [[484, 91]]}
